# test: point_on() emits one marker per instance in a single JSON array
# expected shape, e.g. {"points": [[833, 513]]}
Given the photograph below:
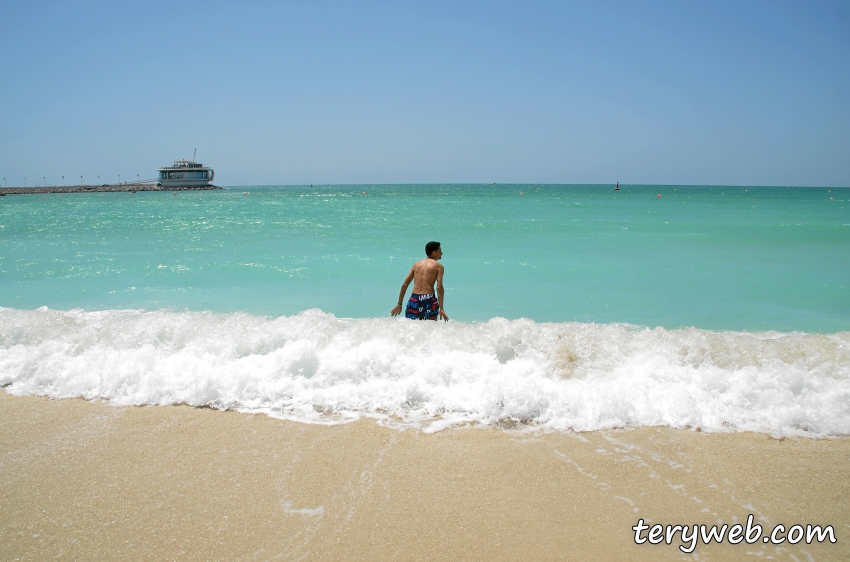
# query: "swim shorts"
{"points": [[422, 307]]}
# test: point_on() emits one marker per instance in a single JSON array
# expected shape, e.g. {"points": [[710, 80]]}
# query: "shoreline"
{"points": [[89, 480]]}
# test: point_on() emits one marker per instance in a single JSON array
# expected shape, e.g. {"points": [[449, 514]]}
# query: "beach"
{"points": [[215, 375], [632, 222], [86, 480]]}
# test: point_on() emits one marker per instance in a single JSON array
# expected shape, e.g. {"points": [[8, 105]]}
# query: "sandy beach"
{"points": [[89, 481]]}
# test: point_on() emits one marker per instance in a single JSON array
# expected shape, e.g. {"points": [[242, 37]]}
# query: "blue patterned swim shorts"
{"points": [[422, 307]]}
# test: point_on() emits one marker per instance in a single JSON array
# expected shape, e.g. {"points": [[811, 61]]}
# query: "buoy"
{"points": [[829, 191], [831, 199], [659, 195]]}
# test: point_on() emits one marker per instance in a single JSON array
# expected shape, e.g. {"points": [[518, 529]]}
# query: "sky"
{"points": [[293, 93]]}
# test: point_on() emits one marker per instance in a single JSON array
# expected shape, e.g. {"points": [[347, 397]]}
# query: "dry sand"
{"points": [[87, 481]]}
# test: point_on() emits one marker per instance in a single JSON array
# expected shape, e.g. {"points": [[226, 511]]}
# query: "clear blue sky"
{"points": [[686, 92]]}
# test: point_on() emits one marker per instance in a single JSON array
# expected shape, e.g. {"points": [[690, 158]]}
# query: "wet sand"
{"points": [[87, 481]]}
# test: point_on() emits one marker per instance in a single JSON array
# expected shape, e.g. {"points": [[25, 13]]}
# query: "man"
{"points": [[423, 305]]}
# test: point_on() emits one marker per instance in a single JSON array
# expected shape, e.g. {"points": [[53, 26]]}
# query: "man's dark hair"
{"points": [[430, 247]]}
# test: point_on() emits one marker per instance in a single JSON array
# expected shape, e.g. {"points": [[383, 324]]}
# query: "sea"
{"points": [[572, 307]]}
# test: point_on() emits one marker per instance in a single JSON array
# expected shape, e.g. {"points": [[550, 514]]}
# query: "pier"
{"points": [[105, 188]]}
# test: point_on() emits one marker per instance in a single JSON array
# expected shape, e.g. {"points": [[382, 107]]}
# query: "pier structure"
{"points": [[183, 175], [151, 185], [186, 173]]}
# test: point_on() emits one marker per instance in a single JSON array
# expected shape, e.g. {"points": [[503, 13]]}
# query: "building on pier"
{"points": [[185, 173]]}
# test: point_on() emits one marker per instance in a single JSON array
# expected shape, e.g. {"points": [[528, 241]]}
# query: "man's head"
{"points": [[432, 247]]}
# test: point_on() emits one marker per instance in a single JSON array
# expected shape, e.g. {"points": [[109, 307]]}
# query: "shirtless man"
{"points": [[422, 304]]}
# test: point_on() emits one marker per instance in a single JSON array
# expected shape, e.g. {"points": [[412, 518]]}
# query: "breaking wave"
{"points": [[314, 367]]}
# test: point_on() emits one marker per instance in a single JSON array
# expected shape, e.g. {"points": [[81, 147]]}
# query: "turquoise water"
{"points": [[575, 307], [722, 258]]}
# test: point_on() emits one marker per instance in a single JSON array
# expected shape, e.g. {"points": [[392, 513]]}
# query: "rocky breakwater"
{"points": [[123, 187]]}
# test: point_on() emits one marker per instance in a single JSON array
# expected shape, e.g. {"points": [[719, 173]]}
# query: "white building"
{"points": [[185, 174]]}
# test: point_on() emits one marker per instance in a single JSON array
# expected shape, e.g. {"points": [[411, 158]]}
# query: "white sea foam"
{"points": [[314, 367]]}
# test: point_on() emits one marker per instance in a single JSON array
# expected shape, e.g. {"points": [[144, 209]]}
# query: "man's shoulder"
{"points": [[427, 264]]}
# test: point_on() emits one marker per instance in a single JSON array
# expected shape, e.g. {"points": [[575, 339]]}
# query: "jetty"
{"points": [[184, 175], [105, 188]]}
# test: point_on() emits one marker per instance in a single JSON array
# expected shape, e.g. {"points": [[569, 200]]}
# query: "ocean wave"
{"points": [[314, 367]]}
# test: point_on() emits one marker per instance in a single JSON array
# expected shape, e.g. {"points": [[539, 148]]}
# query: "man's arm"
{"points": [[398, 308], [441, 293]]}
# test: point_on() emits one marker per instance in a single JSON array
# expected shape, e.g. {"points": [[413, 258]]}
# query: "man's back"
{"points": [[425, 273], [423, 303]]}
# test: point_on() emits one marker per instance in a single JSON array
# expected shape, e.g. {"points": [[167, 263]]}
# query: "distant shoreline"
{"points": [[112, 188]]}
